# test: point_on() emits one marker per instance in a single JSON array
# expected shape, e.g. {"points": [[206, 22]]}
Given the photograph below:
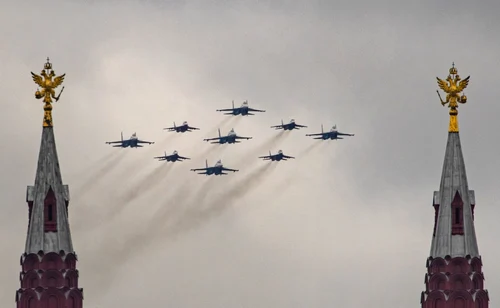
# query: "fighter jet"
{"points": [[243, 110], [172, 157], [218, 169], [181, 129], [276, 157], [333, 134], [133, 142], [230, 138], [289, 126]]}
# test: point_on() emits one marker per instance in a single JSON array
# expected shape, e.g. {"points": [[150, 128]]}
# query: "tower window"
{"points": [[457, 204], [50, 213]]}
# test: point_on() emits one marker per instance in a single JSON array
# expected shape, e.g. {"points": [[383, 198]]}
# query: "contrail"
{"points": [[311, 148], [214, 129], [149, 182], [210, 149], [200, 212], [180, 213], [94, 178], [152, 231]]}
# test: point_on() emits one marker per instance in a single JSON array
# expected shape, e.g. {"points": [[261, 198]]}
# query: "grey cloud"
{"points": [[347, 218]]}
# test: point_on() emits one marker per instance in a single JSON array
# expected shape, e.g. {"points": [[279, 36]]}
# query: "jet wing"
{"points": [[240, 137], [318, 134], [255, 110], [267, 156], [142, 141], [181, 157], [162, 157], [193, 128], [110, 142], [228, 109], [229, 169], [286, 156], [170, 128], [278, 126], [215, 138], [298, 125], [200, 169], [343, 134]]}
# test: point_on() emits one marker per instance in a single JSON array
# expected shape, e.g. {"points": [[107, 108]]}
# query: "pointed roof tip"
{"points": [[454, 235], [44, 233]]}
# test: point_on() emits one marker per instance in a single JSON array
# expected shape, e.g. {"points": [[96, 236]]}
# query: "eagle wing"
{"points": [[463, 84], [443, 85], [37, 79], [58, 81]]}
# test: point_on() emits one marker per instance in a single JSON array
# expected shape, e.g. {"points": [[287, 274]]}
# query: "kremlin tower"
{"points": [[454, 277], [49, 278]]}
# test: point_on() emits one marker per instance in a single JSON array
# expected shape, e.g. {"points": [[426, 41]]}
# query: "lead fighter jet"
{"points": [[230, 138], [172, 157], [181, 129], [218, 169], [333, 134], [276, 157], [133, 142], [242, 110], [289, 126]]}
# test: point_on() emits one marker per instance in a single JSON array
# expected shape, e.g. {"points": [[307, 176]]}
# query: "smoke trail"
{"points": [[212, 148], [95, 164], [223, 122], [150, 181], [99, 174], [310, 148], [136, 242], [200, 212]]}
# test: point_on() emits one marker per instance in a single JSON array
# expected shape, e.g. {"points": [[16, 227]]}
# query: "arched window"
{"points": [[50, 212], [457, 205]]}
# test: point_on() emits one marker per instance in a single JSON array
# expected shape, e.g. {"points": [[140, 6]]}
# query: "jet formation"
{"points": [[230, 138]]}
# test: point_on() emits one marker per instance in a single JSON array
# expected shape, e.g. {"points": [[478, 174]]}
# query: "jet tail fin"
{"points": [[233, 103], [174, 125], [206, 163], [122, 136], [219, 133], [321, 128]]}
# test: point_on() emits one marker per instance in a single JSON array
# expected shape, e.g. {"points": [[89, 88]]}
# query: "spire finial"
{"points": [[452, 86], [47, 86]]}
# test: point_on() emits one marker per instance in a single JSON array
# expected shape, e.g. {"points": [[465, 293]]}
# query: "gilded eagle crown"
{"points": [[453, 70], [48, 65]]}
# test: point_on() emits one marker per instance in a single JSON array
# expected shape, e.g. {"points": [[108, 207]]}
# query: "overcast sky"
{"points": [[346, 224]]}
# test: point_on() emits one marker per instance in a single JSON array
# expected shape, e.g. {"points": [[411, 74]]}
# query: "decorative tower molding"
{"points": [[454, 276], [49, 278]]}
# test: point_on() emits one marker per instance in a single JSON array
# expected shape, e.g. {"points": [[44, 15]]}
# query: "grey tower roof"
{"points": [[453, 180], [48, 176]]}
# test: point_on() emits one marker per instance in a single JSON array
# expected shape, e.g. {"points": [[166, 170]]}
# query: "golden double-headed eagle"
{"points": [[453, 86], [47, 84], [47, 81]]}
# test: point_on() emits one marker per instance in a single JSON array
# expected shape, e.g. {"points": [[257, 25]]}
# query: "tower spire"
{"points": [[454, 276], [49, 277]]}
